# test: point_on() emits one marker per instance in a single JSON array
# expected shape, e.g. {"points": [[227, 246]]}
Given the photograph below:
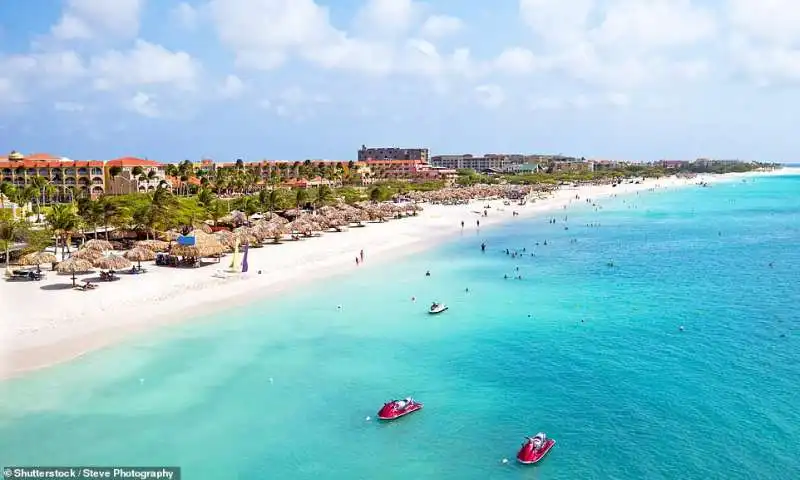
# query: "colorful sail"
{"points": [[235, 260]]}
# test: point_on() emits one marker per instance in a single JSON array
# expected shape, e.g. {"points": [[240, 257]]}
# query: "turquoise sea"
{"points": [[592, 354]]}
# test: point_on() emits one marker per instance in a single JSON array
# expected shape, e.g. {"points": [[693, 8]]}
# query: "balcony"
{"points": [[31, 171], [97, 171], [43, 172], [70, 181], [57, 179], [84, 182], [69, 171], [97, 182], [6, 171], [83, 171]]}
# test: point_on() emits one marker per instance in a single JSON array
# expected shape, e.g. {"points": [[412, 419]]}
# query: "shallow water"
{"points": [[590, 353]]}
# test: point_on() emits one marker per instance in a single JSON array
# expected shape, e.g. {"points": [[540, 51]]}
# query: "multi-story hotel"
{"points": [[497, 162], [69, 177], [135, 175], [392, 153]]}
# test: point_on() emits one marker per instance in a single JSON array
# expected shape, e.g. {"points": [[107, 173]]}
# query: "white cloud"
{"points": [[545, 103], [633, 26], [186, 16], [86, 19], [579, 101], [632, 44], [145, 64], [262, 32], [557, 22], [437, 26], [232, 87], [517, 60], [490, 96], [68, 107], [9, 92], [381, 18], [143, 104], [771, 21]]}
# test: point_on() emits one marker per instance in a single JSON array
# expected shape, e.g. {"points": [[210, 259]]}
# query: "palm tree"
{"points": [[64, 222], [301, 197], [324, 195], [7, 190], [39, 184], [11, 230], [108, 212], [136, 175], [90, 212]]}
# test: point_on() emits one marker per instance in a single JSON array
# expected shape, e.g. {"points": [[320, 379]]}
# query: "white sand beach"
{"points": [[43, 323]]}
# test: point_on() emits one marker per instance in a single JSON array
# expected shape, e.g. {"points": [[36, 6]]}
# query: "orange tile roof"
{"points": [[41, 156], [133, 162], [5, 163]]}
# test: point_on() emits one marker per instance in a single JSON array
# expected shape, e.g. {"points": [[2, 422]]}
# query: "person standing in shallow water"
{"points": [[478, 223]]}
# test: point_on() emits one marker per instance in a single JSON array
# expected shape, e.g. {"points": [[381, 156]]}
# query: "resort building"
{"points": [[69, 177], [131, 175], [391, 153], [488, 163]]}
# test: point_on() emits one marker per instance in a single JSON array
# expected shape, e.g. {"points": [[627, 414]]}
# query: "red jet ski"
{"points": [[535, 448], [398, 408]]}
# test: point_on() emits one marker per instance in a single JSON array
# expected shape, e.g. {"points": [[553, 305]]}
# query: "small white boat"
{"points": [[437, 308]]}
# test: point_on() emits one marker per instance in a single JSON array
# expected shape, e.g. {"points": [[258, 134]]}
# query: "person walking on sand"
{"points": [[362, 255], [478, 222], [462, 224], [356, 261]]}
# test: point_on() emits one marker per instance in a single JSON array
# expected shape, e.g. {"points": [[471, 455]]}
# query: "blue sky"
{"points": [[297, 79]]}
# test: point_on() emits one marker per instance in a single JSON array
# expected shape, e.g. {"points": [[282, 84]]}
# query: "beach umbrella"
{"points": [[112, 262], [169, 235], [205, 246], [96, 244], [87, 254], [139, 255], [38, 258], [74, 265], [153, 245], [205, 228], [236, 217], [226, 238]]}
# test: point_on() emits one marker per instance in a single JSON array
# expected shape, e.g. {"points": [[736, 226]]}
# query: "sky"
{"points": [[315, 79]]}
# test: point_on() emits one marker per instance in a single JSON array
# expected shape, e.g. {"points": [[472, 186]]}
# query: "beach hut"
{"points": [[74, 265]]}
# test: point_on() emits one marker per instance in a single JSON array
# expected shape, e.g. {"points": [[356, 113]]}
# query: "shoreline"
{"points": [[48, 326]]}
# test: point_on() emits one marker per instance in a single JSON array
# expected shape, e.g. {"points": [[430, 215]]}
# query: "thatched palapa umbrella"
{"points": [[88, 254], [226, 238], [205, 246], [38, 258], [170, 235], [139, 255], [74, 265], [96, 244], [153, 245], [112, 262]]}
